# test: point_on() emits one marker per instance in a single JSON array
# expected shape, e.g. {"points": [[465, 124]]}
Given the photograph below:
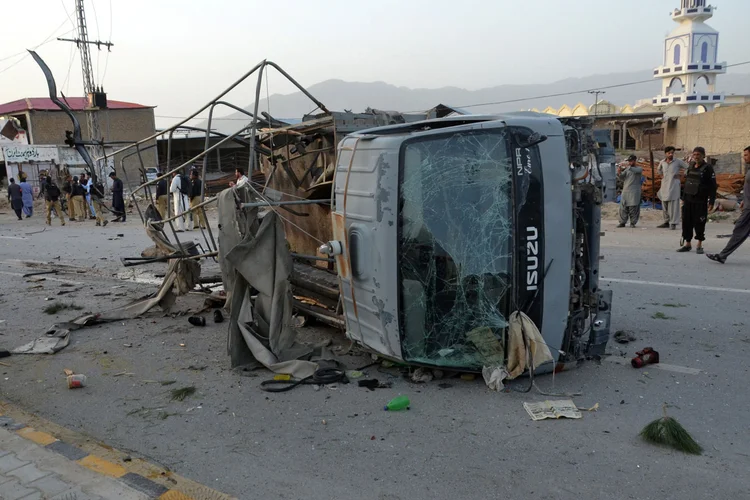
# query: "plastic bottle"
{"points": [[398, 403]]}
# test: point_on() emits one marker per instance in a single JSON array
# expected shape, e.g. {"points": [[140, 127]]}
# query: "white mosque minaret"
{"points": [[691, 64]]}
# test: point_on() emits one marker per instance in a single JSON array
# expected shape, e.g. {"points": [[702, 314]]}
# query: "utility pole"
{"points": [[596, 99], [96, 96]]}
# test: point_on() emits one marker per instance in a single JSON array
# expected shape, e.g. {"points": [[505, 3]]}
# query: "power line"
{"points": [[46, 41], [561, 94], [106, 57]]}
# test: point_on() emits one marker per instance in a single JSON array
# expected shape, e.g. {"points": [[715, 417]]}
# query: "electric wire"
{"points": [[109, 39]]}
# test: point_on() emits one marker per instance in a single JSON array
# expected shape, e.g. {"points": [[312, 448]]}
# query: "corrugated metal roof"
{"points": [[46, 104]]}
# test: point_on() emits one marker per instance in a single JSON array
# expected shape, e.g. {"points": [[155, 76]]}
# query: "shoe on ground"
{"points": [[105, 223], [716, 258], [699, 251], [684, 249], [673, 227], [620, 225], [632, 225], [663, 226], [98, 223]]}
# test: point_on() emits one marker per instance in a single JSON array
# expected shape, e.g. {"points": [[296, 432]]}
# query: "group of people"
{"points": [[688, 195], [84, 197]]}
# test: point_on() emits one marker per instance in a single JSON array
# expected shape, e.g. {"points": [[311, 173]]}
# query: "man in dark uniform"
{"points": [[162, 196], [195, 198], [68, 190], [742, 226], [699, 193], [118, 202], [51, 194]]}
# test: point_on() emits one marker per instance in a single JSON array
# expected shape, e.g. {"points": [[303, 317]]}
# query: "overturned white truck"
{"points": [[443, 229]]}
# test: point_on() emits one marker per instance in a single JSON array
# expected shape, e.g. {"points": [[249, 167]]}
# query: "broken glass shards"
{"points": [[455, 248]]}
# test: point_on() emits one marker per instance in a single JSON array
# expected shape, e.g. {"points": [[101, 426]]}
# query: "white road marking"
{"points": [[661, 366], [677, 285], [14, 237]]}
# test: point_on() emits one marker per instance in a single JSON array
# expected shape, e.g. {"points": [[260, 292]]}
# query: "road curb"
{"points": [[150, 479]]}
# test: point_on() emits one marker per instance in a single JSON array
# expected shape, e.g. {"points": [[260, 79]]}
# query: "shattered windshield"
{"points": [[455, 248]]}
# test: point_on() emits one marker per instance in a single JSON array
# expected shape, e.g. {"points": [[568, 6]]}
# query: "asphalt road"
{"points": [[459, 440]]}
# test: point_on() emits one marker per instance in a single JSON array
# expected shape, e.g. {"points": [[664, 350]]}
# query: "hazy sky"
{"points": [[177, 54]]}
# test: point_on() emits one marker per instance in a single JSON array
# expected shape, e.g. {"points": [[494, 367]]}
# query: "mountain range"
{"points": [[339, 95]]}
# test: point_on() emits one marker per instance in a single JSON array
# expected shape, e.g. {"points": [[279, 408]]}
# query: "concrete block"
{"points": [[51, 485], [9, 463], [13, 490], [28, 473]]}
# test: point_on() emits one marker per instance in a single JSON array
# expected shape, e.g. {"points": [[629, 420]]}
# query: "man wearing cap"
{"points": [[669, 193], [742, 226], [630, 198], [699, 194]]}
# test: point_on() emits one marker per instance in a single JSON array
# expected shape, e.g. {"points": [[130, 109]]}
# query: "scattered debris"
{"points": [[128, 374], [374, 383], [76, 381], [127, 345], [667, 431], [59, 306], [421, 375], [674, 305], [38, 273], [4, 353], [645, 357], [354, 374], [563, 408], [168, 382], [445, 385], [218, 317], [623, 337], [197, 320], [197, 368], [398, 403], [494, 376], [182, 393], [127, 459], [661, 315], [468, 376]]}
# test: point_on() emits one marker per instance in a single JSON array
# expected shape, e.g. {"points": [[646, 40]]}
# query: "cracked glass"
{"points": [[455, 217]]}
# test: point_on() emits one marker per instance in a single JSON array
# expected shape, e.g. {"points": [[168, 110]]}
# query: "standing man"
{"points": [[118, 202], [669, 193], [15, 197], [630, 199], [700, 193], [28, 198], [96, 189], [162, 197], [52, 201], [68, 190], [179, 199], [742, 226], [240, 178], [78, 200], [85, 181], [195, 198]]}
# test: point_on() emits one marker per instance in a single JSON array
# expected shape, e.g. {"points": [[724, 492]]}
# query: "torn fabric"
{"points": [[524, 342], [255, 259]]}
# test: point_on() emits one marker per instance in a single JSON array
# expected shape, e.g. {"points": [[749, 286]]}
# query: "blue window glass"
{"points": [[704, 52], [677, 54]]}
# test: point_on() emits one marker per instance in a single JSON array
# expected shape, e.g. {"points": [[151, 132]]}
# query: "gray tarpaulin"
{"points": [[255, 260]]}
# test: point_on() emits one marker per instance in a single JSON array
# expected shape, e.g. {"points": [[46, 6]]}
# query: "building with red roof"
{"points": [[119, 122]]}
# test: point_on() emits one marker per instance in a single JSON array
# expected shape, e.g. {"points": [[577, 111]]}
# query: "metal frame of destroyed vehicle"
{"points": [[550, 245]]}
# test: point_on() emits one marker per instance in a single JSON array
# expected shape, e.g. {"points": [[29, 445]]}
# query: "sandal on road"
{"points": [[716, 258]]}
